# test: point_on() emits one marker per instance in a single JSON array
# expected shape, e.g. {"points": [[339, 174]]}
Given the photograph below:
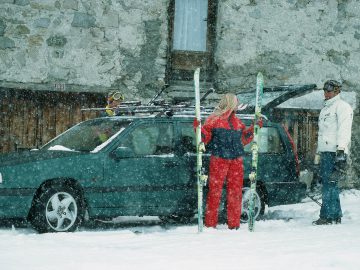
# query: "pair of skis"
{"points": [[200, 148], [201, 177], [255, 152]]}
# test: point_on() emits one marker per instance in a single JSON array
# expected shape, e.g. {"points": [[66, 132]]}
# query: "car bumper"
{"points": [[285, 192]]}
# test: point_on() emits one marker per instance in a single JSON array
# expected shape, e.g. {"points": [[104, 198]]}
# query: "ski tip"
{"points": [[260, 76], [197, 71]]}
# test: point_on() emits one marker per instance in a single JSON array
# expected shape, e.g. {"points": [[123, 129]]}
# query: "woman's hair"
{"points": [[228, 103]]}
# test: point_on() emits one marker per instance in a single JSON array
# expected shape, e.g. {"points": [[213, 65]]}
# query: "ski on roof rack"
{"points": [[155, 106], [166, 109]]}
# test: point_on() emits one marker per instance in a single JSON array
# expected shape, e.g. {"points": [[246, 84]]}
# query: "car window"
{"points": [[187, 138], [155, 139], [270, 141], [86, 136]]}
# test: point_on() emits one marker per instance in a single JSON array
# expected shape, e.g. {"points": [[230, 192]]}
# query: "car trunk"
{"points": [[273, 96]]}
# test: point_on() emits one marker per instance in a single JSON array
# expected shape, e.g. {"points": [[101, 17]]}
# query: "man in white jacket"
{"points": [[334, 138]]}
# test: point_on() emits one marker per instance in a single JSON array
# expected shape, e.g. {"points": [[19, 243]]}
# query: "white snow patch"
{"points": [[60, 148], [284, 240], [315, 101]]}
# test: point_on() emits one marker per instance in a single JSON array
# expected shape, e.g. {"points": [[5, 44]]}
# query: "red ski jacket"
{"points": [[226, 135]]}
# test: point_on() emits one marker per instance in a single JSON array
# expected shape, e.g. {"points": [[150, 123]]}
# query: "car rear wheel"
{"points": [[58, 209], [259, 205]]}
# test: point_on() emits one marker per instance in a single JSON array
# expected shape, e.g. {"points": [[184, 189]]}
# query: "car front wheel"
{"points": [[58, 209]]}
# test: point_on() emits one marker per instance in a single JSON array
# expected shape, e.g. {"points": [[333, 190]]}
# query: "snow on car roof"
{"points": [[273, 96], [315, 101]]}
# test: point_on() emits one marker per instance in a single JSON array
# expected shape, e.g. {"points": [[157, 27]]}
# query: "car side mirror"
{"points": [[123, 152]]}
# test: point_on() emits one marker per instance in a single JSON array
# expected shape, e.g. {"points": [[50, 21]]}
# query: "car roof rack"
{"points": [[159, 107], [133, 108], [156, 105], [159, 110]]}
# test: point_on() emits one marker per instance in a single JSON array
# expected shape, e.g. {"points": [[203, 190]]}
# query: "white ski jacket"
{"points": [[335, 121]]}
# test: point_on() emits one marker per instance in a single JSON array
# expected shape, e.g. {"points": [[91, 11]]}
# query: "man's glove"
{"points": [[340, 160], [340, 156]]}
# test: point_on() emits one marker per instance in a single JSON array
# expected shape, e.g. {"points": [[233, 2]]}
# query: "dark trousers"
{"points": [[330, 208]]}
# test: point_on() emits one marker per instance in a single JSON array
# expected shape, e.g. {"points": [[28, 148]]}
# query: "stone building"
{"points": [[140, 46]]}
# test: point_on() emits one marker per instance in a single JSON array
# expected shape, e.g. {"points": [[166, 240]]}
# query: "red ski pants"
{"points": [[231, 170]]}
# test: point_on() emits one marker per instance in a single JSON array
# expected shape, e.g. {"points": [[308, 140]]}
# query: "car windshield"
{"points": [[88, 136]]}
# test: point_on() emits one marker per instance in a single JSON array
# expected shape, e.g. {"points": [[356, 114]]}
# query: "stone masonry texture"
{"points": [[109, 44]]}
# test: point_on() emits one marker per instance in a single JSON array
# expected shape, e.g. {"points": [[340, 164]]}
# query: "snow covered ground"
{"points": [[285, 239]]}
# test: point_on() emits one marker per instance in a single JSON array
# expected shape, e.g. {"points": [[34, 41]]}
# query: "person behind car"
{"points": [[335, 121], [114, 99], [225, 136]]}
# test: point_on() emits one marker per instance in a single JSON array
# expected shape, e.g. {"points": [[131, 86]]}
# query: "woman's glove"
{"points": [[196, 123], [259, 122]]}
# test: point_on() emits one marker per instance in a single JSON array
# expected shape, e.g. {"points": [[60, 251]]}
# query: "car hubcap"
{"points": [[245, 205], [61, 211]]}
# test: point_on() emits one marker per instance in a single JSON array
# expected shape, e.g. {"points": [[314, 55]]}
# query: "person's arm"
{"points": [[206, 130], [344, 122], [248, 134]]}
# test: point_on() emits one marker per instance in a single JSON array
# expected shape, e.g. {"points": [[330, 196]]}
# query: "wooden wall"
{"points": [[28, 119], [303, 127]]}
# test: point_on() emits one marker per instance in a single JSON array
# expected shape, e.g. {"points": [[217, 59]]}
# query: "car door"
{"points": [[145, 180], [187, 153], [273, 158], [275, 166]]}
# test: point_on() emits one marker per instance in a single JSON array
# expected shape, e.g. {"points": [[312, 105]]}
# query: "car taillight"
{"points": [[294, 149]]}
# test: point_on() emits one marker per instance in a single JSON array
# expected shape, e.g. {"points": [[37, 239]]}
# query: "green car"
{"points": [[139, 165], [131, 166]]}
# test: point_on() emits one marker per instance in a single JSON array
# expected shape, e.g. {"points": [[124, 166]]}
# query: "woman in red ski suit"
{"points": [[225, 136]]}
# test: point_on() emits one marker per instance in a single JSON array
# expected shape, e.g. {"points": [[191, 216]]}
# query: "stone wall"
{"points": [[290, 41], [109, 44], [118, 43]]}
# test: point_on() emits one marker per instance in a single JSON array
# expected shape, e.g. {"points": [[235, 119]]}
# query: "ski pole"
{"points": [[314, 200]]}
